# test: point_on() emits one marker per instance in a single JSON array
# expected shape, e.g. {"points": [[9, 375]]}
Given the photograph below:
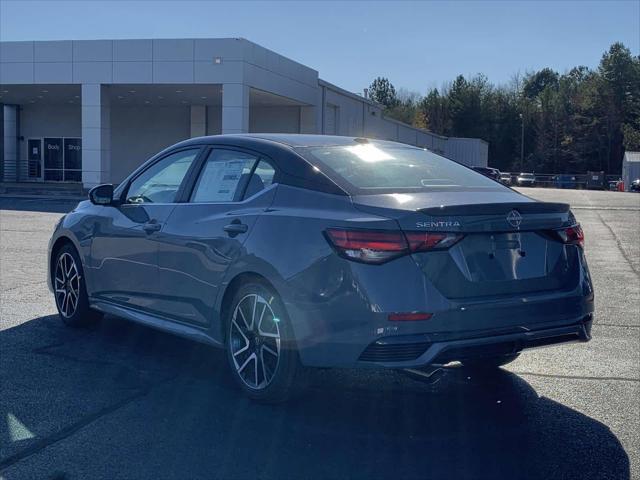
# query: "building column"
{"points": [[198, 120], [235, 108], [96, 135], [321, 110], [10, 143]]}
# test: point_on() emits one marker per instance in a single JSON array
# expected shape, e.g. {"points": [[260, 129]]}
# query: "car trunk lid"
{"points": [[507, 245]]}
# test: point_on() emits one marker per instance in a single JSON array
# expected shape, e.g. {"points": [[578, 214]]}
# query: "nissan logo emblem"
{"points": [[514, 218]]}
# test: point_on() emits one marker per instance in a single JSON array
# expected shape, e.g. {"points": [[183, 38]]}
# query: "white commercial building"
{"points": [[630, 168], [90, 111]]}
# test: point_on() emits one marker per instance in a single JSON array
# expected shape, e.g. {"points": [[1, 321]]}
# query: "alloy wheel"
{"points": [[67, 285], [255, 341]]}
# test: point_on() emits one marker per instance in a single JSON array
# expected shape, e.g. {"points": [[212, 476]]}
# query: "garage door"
{"points": [[331, 120]]}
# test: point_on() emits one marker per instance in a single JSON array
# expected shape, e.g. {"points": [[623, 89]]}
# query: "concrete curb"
{"points": [[63, 198]]}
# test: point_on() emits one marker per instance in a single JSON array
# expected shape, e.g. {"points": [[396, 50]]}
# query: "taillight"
{"points": [[376, 246], [367, 245], [572, 235], [423, 241]]}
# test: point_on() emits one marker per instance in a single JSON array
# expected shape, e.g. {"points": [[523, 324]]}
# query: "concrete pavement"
{"points": [[120, 401]]}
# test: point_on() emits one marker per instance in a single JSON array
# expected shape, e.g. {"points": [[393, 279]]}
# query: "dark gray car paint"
{"points": [[123, 263], [337, 307], [195, 252]]}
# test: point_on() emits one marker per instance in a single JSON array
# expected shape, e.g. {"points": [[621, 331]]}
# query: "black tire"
{"points": [[488, 364], [266, 378], [73, 313]]}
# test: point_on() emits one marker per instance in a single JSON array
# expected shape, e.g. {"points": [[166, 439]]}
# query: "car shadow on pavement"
{"points": [[119, 400]]}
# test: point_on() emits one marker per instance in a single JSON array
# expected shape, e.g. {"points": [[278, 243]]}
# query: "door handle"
{"points": [[152, 226], [235, 228]]}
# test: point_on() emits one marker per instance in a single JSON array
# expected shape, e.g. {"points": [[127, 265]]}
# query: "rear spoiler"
{"points": [[496, 208]]}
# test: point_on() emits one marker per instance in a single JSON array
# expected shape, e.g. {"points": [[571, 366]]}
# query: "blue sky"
{"points": [[418, 45]]}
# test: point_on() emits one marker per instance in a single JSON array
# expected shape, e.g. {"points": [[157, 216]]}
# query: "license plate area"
{"points": [[499, 257]]}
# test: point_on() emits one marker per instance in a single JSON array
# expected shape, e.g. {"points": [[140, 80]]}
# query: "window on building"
{"points": [[72, 159], [53, 160], [62, 159]]}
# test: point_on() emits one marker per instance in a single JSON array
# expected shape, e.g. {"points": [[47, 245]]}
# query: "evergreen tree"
{"points": [[574, 122], [382, 91]]}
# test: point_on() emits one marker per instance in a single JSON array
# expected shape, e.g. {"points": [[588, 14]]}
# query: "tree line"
{"points": [[580, 120]]}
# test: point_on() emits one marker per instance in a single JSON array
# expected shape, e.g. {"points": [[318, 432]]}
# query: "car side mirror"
{"points": [[102, 194]]}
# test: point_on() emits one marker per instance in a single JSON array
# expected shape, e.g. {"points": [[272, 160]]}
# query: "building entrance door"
{"points": [[34, 156]]}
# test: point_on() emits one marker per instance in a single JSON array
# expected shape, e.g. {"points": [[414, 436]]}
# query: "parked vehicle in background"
{"points": [[566, 181], [526, 180], [614, 185], [492, 173], [635, 185], [505, 178], [277, 248], [595, 180]]}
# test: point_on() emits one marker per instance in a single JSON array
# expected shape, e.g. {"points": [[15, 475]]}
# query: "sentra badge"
{"points": [[438, 224]]}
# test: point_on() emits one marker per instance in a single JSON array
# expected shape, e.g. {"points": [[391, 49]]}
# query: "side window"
{"points": [[160, 182], [223, 176], [262, 177]]}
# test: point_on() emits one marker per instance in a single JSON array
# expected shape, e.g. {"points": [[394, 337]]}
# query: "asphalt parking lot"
{"points": [[119, 401]]}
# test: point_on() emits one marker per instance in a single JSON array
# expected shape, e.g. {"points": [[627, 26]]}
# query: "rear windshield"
{"points": [[371, 168]]}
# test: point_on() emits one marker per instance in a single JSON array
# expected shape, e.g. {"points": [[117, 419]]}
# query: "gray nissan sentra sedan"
{"points": [[304, 250]]}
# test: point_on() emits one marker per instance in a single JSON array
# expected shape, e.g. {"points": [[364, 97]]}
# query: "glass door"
{"points": [[34, 156]]}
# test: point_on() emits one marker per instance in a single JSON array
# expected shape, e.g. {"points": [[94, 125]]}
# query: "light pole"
{"points": [[522, 145]]}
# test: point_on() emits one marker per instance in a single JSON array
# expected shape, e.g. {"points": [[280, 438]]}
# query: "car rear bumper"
{"points": [[351, 323], [417, 351]]}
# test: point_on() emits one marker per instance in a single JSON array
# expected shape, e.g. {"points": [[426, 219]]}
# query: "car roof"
{"points": [[288, 139]]}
